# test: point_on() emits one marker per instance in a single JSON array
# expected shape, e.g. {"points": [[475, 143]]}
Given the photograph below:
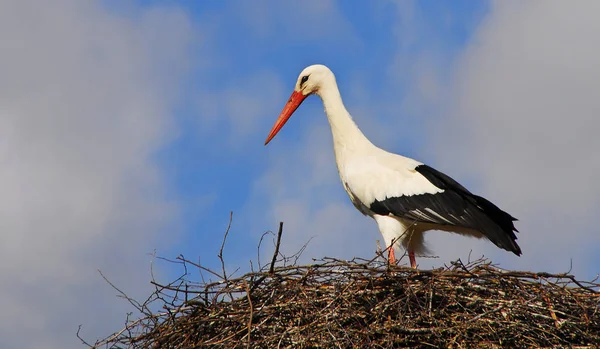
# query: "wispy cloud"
{"points": [[84, 103]]}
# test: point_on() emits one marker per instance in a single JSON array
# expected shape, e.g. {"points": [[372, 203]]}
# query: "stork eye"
{"points": [[304, 79]]}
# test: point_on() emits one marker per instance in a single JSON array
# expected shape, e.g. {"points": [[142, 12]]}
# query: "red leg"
{"points": [[391, 256], [413, 261]]}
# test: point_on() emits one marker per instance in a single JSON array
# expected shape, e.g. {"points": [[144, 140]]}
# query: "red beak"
{"points": [[290, 107]]}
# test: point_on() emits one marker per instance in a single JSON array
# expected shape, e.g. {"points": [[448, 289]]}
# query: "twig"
{"points": [[276, 248], [500, 307], [197, 265], [131, 301], [251, 314], [81, 339], [220, 255], [262, 237]]}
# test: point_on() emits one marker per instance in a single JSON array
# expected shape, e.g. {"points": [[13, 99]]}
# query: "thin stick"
{"points": [[271, 269], [81, 339], [220, 255], [251, 313], [131, 301]]}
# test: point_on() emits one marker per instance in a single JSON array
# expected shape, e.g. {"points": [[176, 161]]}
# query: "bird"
{"points": [[405, 197]]}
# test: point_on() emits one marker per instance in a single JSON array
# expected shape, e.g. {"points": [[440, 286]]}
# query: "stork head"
{"points": [[312, 78], [310, 81]]}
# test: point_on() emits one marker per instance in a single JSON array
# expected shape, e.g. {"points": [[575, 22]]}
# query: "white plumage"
{"points": [[404, 196]]}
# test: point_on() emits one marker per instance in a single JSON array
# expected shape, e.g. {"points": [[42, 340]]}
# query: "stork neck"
{"points": [[346, 133]]}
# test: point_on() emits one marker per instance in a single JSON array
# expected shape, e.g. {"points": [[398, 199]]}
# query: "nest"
{"points": [[367, 304]]}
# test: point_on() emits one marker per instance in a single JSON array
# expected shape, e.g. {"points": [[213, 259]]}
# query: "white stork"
{"points": [[405, 197]]}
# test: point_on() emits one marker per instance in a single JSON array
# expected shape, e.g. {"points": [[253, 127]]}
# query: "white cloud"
{"points": [[522, 124], [85, 99]]}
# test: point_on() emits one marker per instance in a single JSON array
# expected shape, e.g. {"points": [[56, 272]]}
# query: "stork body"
{"points": [[405, 197]]}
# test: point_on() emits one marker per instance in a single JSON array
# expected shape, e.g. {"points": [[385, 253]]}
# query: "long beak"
{"points": [[290, 107]]}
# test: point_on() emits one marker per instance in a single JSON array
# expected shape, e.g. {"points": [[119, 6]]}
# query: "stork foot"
{"points": [[391, 256], [413, 260]]}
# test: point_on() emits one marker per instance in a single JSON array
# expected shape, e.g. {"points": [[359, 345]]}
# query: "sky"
{"points": [[130, 130]]}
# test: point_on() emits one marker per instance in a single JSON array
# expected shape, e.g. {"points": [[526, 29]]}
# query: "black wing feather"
{"points": [[455, 206]]}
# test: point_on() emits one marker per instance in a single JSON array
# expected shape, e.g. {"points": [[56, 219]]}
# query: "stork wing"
{"points": [[425, 195]]}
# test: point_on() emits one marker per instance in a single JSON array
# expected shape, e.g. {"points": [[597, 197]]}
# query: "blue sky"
{"points": [[133, 127]]}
